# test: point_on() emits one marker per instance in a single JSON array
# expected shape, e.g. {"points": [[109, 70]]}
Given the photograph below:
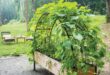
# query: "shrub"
{"points": [[64, 32]]}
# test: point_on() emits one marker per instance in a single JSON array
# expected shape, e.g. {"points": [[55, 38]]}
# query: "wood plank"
{"points": [[55, 66], [49, 63]]}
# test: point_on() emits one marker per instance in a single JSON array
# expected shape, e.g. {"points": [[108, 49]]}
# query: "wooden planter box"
{"points": [[55, 66]]}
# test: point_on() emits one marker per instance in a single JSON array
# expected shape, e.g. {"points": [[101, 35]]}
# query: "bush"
{"points": [[64, 32]]}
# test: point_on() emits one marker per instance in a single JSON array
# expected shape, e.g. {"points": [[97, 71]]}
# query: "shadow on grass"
{"points": [[12, 43]]}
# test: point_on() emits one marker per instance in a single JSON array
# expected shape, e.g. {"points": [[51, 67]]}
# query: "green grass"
{"points": [[16, 28], [97, 20]]}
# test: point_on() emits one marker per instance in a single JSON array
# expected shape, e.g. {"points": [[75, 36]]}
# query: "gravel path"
{"points": [[19, 66], [106, 30]]}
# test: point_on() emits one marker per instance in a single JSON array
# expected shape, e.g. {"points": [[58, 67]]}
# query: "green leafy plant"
{"points": [[64, 32]]}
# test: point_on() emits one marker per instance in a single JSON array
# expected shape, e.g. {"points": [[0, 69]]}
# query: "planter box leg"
{"points": [[34, 66]]}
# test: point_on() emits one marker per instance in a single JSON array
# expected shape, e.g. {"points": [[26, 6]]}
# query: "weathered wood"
{"points": [[49, 63], [7, 37], [20, 37], [55, 66], [29, 38]]}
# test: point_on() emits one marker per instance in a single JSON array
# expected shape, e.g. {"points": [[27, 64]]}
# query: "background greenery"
{"points": [[16, 9], [16, 28]]}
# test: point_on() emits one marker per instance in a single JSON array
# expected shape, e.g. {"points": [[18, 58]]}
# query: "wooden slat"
{"points": [[48, 63], [55, 66]]}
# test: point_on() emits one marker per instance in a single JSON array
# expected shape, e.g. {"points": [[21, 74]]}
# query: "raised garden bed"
{"points": [[65, 32], [54, 66]]}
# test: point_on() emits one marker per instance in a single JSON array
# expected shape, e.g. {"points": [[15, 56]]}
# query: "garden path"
{"points": [[106, 30], [19, 66]]}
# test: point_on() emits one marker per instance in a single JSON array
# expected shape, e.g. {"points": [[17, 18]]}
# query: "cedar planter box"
{"points": [[55, 66]]}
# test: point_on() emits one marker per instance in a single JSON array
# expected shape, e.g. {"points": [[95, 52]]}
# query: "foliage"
{"points": [[98, 7], [6, 8], [39, 3], [64, 31], [14, 9]]}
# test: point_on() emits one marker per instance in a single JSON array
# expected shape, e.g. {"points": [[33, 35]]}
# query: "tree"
{"points": [[26, 14], [7, 11], [108, 10]]}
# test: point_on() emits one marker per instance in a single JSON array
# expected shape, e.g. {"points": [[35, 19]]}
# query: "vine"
{"points": [[64, 32]]}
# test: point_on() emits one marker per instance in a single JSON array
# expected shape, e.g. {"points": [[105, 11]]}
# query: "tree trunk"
{"points": [[33, 6], [108, 10], [26, 14]]}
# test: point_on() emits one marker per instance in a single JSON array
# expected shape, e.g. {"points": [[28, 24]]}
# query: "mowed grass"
{"points": [[17, 28], [9, 49]]}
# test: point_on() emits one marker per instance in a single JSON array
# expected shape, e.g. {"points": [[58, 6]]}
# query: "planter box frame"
{"points": [[56, 67]]}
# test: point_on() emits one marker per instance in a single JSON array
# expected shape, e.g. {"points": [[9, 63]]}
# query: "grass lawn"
{"points": [[16, 28]]}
